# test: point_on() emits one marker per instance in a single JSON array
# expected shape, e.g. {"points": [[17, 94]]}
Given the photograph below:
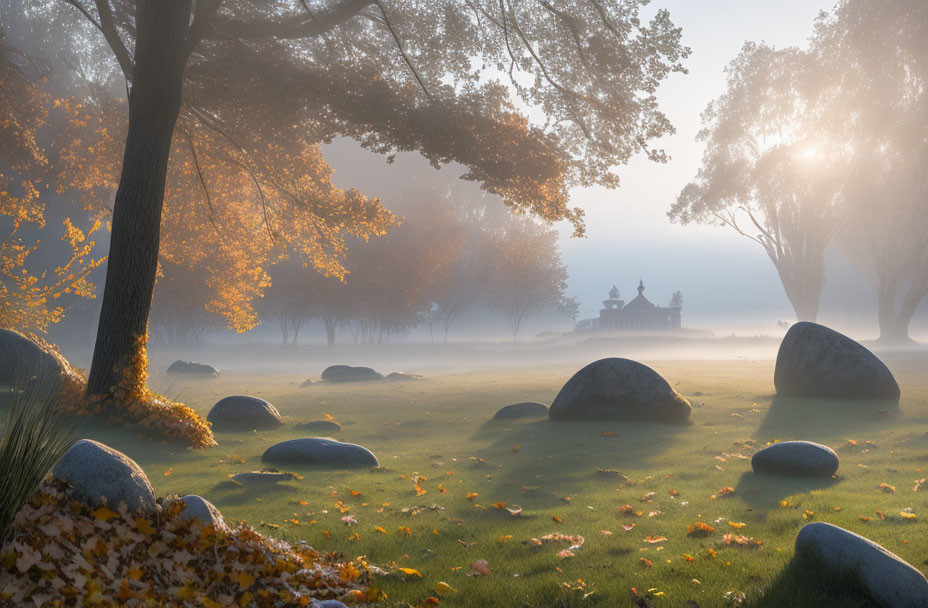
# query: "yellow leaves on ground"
{"points": [[737, 525], [104, 513], [442, 588]]}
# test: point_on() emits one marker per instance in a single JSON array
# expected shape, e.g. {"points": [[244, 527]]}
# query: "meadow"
{"points": [[455, 487]]}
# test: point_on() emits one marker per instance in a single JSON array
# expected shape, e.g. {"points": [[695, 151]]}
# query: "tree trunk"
{"points": [[894, 324], [803, 287], [329, 332], [154, 102]]}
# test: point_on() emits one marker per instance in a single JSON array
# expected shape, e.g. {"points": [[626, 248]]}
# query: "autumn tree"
{"points": [[875, 55], [523, 274], [396, 76], [768, 171], [30, 289]]}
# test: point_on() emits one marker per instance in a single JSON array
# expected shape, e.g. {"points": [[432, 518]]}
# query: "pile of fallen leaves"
{"points": [[64, 553]]}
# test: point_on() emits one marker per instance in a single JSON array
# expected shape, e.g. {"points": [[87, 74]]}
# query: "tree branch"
{"points": [[291, 27], [111, 34]]}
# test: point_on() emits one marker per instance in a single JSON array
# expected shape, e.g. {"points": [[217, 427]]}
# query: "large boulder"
{"points": [[815, 361], [243, 413], [796, 458], [99, 472], [527, 409], [889, 579], [348, 373], [197, 507], [18, 352], [191, 368], [320, 451], [618, 389]]}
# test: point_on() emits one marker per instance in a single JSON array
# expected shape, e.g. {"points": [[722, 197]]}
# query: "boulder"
{"points": [[347, 373], [99, 472], [320, 451], [197, 507], [796, 458], [527, 409], [243, 413], [618, 389], [191, 368], [19, 352], [259, 477], [815, 361], [320, 426], [889, 579]]}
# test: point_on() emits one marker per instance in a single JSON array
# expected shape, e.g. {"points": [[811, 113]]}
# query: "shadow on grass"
{"points": [[229, 493], [562, 457], [807, 582], [818, 419], [762, 491]]}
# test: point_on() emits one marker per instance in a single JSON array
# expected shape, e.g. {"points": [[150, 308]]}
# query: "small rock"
{"points": [[402, 377], [202, 509], [191, 368], [796, 458], [307, 382], [320, 426], [614, 388], [347, 373], [98, 471], [243, 413], [889, 579], [320, 451], [257, 477], [528, 409], [815, 361], [317, 603]]}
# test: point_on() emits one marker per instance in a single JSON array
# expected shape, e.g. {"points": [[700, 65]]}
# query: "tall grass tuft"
{"points": [[36, 435]]}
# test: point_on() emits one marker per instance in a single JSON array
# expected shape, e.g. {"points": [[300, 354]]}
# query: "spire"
{"points": [[640, 287], [614, 293]]}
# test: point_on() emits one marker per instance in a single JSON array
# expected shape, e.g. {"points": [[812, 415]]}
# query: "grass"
{"points": [[35, 436], [439, 428]]}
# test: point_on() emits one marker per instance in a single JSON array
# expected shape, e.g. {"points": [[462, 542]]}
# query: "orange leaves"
{"points": [[499, 505], [655, 539], [104, 513], [647, 563], [700, 528], [886, 488], [471, 495], [556, 519], [723, 492], [737, 525], [480, 568], [404, 531], [740, 541]]}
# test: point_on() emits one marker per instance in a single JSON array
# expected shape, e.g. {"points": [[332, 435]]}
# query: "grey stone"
{"points": [[317, 603], [611, 389], [243, 413], [796, 458], [198, 507], [191, 368], [528, 409], [98, 471], [258, 477], [402, 377], [889, 579], [320, 451], [320, 426], [347, 373], [815, 361], [18, 351]]}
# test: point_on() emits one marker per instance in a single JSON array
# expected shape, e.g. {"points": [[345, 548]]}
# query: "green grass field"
{"points": [[438, 428]]}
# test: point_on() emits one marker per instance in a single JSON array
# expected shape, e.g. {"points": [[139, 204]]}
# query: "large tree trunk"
{"points": [[803, 286], [894, 323], [154, 102]]}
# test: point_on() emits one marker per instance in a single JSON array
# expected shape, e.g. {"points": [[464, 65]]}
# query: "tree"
{"points": [[768, 171], [28, 294], [523, 273], [344, 67], [676, 300], [876, 57]]}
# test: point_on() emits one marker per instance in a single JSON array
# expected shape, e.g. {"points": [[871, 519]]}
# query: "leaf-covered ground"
{"points": [[532, 513]]}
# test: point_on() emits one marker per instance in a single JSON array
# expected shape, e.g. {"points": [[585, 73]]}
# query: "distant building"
{"points": [[638, 315]]}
